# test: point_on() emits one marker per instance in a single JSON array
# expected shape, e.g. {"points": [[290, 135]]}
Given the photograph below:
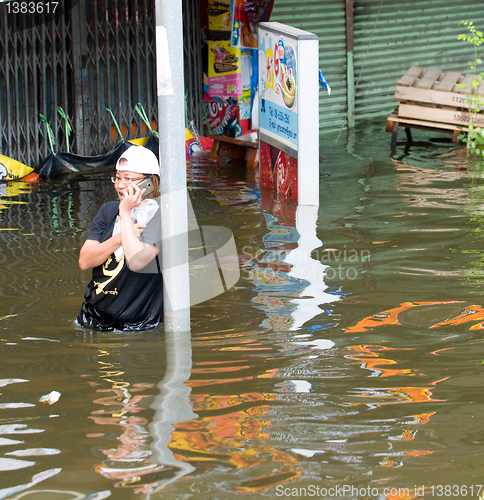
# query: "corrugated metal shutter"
{"points": [[327, 21], [422, 33]]}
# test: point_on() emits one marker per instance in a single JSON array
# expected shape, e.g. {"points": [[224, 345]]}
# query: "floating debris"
{"points": [[51, 398], [8, 316]]}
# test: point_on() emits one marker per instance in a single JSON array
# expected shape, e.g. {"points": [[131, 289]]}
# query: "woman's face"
{"points": [[125, 180]]}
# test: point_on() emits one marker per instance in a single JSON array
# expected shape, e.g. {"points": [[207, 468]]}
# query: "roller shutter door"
{"points": [[422, 33], [327, 21]]}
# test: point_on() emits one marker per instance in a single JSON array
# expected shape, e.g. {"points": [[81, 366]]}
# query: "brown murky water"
{"points": [[347, 362]]}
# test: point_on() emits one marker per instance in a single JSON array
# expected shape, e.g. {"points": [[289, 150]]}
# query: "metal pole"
{"points": [[171, 127]]}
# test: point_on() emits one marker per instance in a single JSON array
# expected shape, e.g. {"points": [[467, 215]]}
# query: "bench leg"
{"points": [[214, 151], [252, 158], [408, 132], [393, 144]]}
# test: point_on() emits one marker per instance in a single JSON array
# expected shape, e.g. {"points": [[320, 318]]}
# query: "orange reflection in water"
{"points": [[231, 431], [399, 395], [371, 358], [471, 313], [224, 438], [369, 355], [390, 316]]}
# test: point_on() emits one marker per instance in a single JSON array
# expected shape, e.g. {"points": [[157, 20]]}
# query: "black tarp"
{"points": [[61, 164]]}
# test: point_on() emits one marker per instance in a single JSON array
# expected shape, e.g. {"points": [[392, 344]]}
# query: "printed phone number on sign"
{"points": [[31, 7]]}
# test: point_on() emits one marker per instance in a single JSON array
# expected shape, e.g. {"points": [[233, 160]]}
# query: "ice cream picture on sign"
{"points": [[281, 70], [278, 67], [289, 90], [287, 62]]}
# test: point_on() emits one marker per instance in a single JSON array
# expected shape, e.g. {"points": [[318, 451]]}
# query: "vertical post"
{"points": [[171, 127], [350, 70], [308, 122]]}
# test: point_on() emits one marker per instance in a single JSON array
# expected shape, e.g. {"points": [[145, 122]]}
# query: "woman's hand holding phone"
{"points": [[132, 197], [147, 185]]}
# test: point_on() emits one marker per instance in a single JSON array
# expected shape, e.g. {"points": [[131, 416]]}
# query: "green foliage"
{"points": [[474, 137]]}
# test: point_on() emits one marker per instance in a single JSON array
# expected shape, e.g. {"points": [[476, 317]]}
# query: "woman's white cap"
{"points": [[140, 160]]}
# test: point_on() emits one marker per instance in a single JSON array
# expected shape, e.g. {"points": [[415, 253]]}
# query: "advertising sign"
{"points": [[224, 69], [246, 15], [289, 111], [278, 75]]}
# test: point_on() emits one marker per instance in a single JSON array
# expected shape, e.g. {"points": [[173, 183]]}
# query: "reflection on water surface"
{"points": [[348, 355]]}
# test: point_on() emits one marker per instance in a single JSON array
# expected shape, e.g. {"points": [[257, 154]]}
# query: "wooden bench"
{"points": [[245, 147], [432, 100]]}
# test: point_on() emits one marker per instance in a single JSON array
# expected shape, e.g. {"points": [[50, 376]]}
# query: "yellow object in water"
{"points": [[139, 142], [12, 169]]}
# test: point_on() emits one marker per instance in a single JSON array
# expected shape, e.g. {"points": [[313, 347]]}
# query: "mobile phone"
{"points": [[148, 185]]}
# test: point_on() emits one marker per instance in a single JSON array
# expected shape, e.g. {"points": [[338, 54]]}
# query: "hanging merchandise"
{"points": [[231, 69], [246, 16], [224, 69], [223, 119], [219, 18], [246, 80]]}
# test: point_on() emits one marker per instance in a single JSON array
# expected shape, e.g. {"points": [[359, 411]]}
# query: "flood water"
{"points": [[347, 362]]}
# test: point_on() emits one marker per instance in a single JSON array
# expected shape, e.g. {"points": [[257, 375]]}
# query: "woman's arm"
{"points": [[93, 253], [138, 254]]}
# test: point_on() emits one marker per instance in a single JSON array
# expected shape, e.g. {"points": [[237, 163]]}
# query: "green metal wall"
{"points": [[327, 20], [407, 33]]}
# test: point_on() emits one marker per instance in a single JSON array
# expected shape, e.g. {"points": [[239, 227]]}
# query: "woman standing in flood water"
{"points": [[126, 289]]}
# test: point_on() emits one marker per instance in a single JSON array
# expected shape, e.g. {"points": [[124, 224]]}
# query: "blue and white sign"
{"points": [[278, 89], [289, 110]]}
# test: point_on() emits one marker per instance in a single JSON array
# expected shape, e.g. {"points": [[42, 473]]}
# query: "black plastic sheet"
{"points": [[61, 164]]}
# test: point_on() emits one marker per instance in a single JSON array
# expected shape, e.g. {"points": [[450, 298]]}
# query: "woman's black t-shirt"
{"points": [[118, 298]]}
